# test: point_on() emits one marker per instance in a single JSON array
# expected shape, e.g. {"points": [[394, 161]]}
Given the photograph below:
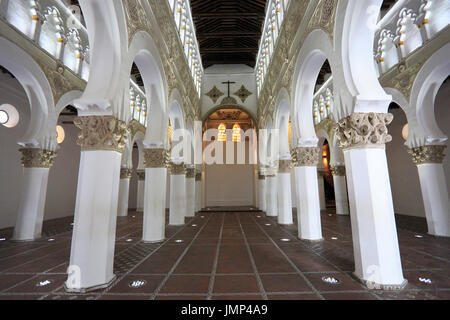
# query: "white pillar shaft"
{"points": [[155, 205], [198, 196], [321, 185], [435, 198], [190, 197], [375, 243], [93, 239], [272, 194], [124, 192], [177, 199], [140, 196], [340, 194], [284, 199], [30, 215], [308, 204], [262, 195]]}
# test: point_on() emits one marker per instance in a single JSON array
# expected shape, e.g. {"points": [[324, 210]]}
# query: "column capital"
{"points": [[37, 158], [156, 158], [364, 130], [338, 171], [190, 173], [101, 133], [261, 176], [141, 174], [284, 166], [177, 168], [305, 156], [125, 173], [198, 176], [428, 154]]}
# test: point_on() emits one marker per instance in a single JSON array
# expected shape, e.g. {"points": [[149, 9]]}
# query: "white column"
{"points": [[190, 192], [434, 188], [262, 192], [155, 195], [93, 238], [272, 194], [284, 193], [177, 211], [198, 191], [308, 203], [124, 192], [375, 242], [321, 186], [30, 215], [140, 190], [340, 190]]}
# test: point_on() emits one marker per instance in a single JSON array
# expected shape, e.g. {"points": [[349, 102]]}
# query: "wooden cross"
{"points": [[228, 83]]}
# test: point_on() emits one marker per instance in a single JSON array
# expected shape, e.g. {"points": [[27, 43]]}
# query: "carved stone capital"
{"points": [[305, 156], [125, 173], [37, 158], [428, 154], [271, 172], [177, 168], [101, 133], [141, 175], [284, 166], [338, 171], [190, 173], [156, 158], [198, 176], [362, 130], [261, 176]]}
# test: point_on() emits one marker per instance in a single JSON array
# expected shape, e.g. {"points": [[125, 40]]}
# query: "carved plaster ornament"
{"points": [[284, 166], [190, 173], [37, 158], [305, 156], [243, 93], [338, 171], [156, 158], [214, 94], [198, 176], [125, 173], [428, 154], [141, 174], [177, 168]]}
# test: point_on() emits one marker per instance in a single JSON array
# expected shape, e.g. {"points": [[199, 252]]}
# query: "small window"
{"points": [[9, 117]]}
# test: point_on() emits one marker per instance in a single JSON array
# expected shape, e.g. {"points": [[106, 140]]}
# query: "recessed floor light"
{"points": [[330, 215], [2, 239], [330, 280], [194, 225], [129, 240], [203, 217], [268, 224], [43, 283], [258, 216], [334, 238], [285, 240], [418, 236], [133, 216], [137, 284], [179, 241], [425, 280], [51, 240]]}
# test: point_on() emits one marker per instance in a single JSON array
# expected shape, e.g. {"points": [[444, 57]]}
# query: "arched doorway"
{"points": [[230, 179]]}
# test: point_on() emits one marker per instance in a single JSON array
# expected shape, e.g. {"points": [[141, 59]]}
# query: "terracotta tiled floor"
{"points": [[225, 254]]}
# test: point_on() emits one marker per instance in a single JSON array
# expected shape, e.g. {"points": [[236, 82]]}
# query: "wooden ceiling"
{"points": [[228, 31]]}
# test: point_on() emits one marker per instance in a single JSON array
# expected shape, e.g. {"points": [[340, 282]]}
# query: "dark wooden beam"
{"points": [[225, 15], [229, 34], [229, 50]]}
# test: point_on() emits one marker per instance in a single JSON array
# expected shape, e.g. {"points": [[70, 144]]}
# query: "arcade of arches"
{"points": [[176, 149]]}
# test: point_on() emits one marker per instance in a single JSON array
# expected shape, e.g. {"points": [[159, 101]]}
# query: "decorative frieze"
{"points": [[305, 156], [284, 166], [37, 158], [141, 175], [338, 171], [428, 154], [156, 158], [125, 173], [177, 168], [362, 130], [190, 173], [101, 133]]}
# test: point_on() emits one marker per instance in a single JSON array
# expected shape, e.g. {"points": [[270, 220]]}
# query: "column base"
{"points": [[26, 240], [385, 287], [285, 224], [177, 225], [90, 289], [154, 241]]}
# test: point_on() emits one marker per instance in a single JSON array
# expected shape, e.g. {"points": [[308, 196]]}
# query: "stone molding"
{"points": [[156, 158], [125, 173], [338, 171], [363, 130], [190, 173], [177, 168], [284, 166], [101, 133], [37, 158], [428, 154], [306, 156]]}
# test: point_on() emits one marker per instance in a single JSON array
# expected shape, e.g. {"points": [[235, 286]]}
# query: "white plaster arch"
{"points": [[283, 114], [316, 49], [38, 90]]}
